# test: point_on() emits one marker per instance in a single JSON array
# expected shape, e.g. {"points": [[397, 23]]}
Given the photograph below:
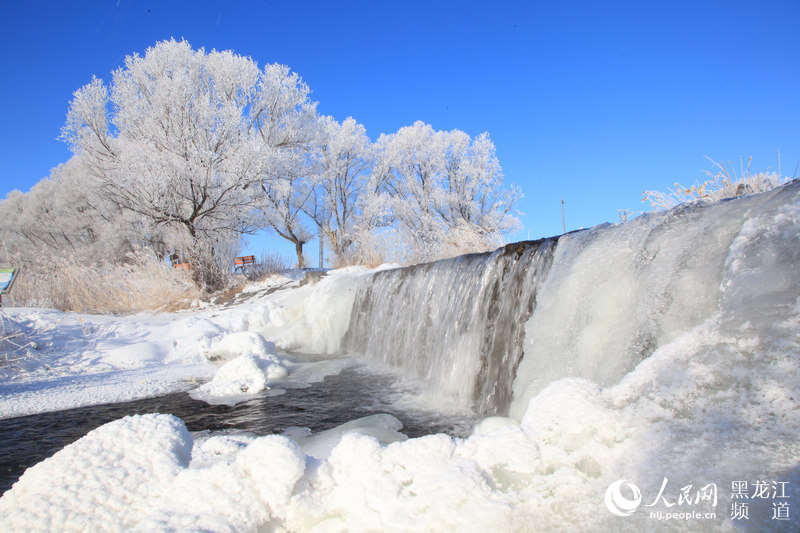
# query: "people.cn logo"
{"points": [[619, 504]]}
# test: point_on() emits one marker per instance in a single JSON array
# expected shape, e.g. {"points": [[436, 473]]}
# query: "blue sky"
{"points": [[589, 102]]}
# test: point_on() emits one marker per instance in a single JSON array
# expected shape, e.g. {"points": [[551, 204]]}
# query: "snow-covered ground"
{"points": [[679, 442], [67, 360]]}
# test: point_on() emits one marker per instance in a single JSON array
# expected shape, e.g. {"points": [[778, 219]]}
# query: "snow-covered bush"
{"points": [[268, 264], [395, 245], [13, 343]]}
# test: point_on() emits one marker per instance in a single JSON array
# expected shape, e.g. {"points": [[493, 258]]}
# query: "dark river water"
{"points": [[25, 441]]}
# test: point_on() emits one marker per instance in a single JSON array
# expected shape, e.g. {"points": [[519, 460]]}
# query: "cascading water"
{"points": [[491, 330], [457, 324]]}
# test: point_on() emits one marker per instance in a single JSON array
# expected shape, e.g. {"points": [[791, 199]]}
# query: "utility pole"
{"points": [[321, 242], [563, 222]]}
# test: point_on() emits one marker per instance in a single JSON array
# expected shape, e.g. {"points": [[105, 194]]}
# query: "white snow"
{"points": [[88, 359], [275, 281], [251, 365], [241, 378], [81, 360], [105, 481], [312, 318]]}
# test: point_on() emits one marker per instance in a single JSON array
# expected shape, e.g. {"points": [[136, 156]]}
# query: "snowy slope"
{"points": [[72, 360]]}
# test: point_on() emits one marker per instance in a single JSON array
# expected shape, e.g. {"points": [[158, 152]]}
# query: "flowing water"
{"points": [[457, 324], [355, 393]]}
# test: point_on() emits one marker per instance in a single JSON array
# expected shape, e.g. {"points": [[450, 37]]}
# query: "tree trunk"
{"points": [[301, 261]]}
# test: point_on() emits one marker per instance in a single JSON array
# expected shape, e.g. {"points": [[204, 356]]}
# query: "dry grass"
{"points": [[724, 184], [269, 263], [142, 284]]}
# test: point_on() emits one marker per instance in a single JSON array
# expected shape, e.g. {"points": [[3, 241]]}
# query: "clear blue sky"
{"points": [[587, 102]]}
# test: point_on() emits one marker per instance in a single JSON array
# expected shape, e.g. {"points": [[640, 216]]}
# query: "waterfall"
{"points": [[491, 330], [456, 324]]}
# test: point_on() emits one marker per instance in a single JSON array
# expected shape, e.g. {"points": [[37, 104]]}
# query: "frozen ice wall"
{"points": [[617, 293], [590, 304]]}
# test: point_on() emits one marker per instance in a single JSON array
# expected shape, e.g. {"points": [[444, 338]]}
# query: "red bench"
{"points": [[241, 263]]}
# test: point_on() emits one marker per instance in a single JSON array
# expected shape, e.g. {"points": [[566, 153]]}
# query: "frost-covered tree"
{"points": [[340, 166], [445, 189], [167, 141], [61, 213], [285, 122], [283, 198], [186, 139]]}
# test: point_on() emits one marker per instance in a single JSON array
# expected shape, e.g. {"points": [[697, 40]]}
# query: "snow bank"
{"points": [[278, 280], [78, 360], [384, 428], [107, 480], [74, 360]]}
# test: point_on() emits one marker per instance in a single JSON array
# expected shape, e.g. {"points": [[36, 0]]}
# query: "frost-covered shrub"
{"points": [[14, 345], [723, 184], [445, 191], [268, 264], [373, 248]]}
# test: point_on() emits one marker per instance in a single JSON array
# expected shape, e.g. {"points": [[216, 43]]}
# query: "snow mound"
{"points": [[135, 474], [385, 428], [233, 345], [246, 489], [252, 365], [289, 278], [310, 319], [103, 481]]}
